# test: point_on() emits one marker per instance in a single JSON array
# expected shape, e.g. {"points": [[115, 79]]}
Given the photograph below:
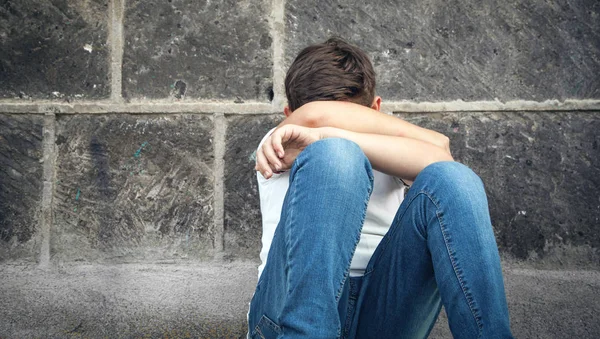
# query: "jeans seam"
{"points": [[270, 324], [463, 287], [347, 322], [259, 332], [289, 221]]}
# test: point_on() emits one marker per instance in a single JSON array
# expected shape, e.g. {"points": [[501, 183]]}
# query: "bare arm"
{"points": [[362, 119], [397, 156]]}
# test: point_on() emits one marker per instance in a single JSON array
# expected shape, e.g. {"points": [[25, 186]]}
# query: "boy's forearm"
{"points": [[362, 119], [397, 156]]}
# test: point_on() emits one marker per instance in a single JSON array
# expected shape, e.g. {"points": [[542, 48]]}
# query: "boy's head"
{"points": [[333, 70]]}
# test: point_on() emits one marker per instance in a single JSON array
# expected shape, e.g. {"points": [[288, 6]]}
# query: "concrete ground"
{"points": [[209, 300]]}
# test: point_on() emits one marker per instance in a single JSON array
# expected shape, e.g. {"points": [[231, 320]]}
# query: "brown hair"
{"points": [[333, 70]]}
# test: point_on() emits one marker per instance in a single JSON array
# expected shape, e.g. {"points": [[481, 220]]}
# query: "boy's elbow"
{"points": [[442, 156], [313, 119], [445, 143], [307, 117]]}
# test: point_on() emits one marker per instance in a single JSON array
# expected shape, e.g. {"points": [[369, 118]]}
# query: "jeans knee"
{"points": [[457, 190], [453, 176], [341, 158]]}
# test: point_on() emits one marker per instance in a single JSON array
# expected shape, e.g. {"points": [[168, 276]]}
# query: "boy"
{"points": [[345, 252]]}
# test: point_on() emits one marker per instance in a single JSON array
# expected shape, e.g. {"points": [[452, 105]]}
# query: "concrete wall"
{"points": [[127, 128]]}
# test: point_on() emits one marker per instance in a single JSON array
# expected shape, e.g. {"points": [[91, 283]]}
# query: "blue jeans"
{"points": [[440, 249]]}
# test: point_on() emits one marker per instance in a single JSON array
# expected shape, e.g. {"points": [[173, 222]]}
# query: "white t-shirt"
{"points": [[388, 193]]}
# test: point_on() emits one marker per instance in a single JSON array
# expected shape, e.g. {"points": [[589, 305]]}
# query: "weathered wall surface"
{"points": [[200, 49], [472, 50], [127, 132], [242, 214], [54, 49], [134, 186], [540, 171], [21, 182]]}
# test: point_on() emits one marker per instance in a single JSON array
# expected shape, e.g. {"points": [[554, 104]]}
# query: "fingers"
{"points": [[276, 142], [262, 165], [272, 158], [267, 161]]}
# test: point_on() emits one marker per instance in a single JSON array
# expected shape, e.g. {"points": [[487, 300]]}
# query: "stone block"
{"points": [[133, 187], [243, 227], [471, 50], [21, 184], [54, 49], [197, 49], [542, 176]]}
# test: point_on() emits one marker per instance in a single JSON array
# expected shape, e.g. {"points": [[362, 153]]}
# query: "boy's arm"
{"points": [[396, 156], [357, 118]]}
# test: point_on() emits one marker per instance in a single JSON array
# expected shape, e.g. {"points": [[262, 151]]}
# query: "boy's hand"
{"points": [[281, 148]]}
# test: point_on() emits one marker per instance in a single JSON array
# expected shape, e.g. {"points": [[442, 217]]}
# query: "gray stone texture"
{"points": [[54, 49], [243, 227], [21, 185], [210, 300], [171, 300], [542, 176], [471, 50], [133, 187], [197, 49]]}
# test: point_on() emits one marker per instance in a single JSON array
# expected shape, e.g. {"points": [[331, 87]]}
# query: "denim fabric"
{"points": [[440, 249]]}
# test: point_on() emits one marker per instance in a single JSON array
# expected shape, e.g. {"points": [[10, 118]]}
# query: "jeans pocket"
{"points": [[266, 329]]}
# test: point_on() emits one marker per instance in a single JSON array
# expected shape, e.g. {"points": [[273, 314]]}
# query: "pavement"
{"points": [[209, 300]]}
